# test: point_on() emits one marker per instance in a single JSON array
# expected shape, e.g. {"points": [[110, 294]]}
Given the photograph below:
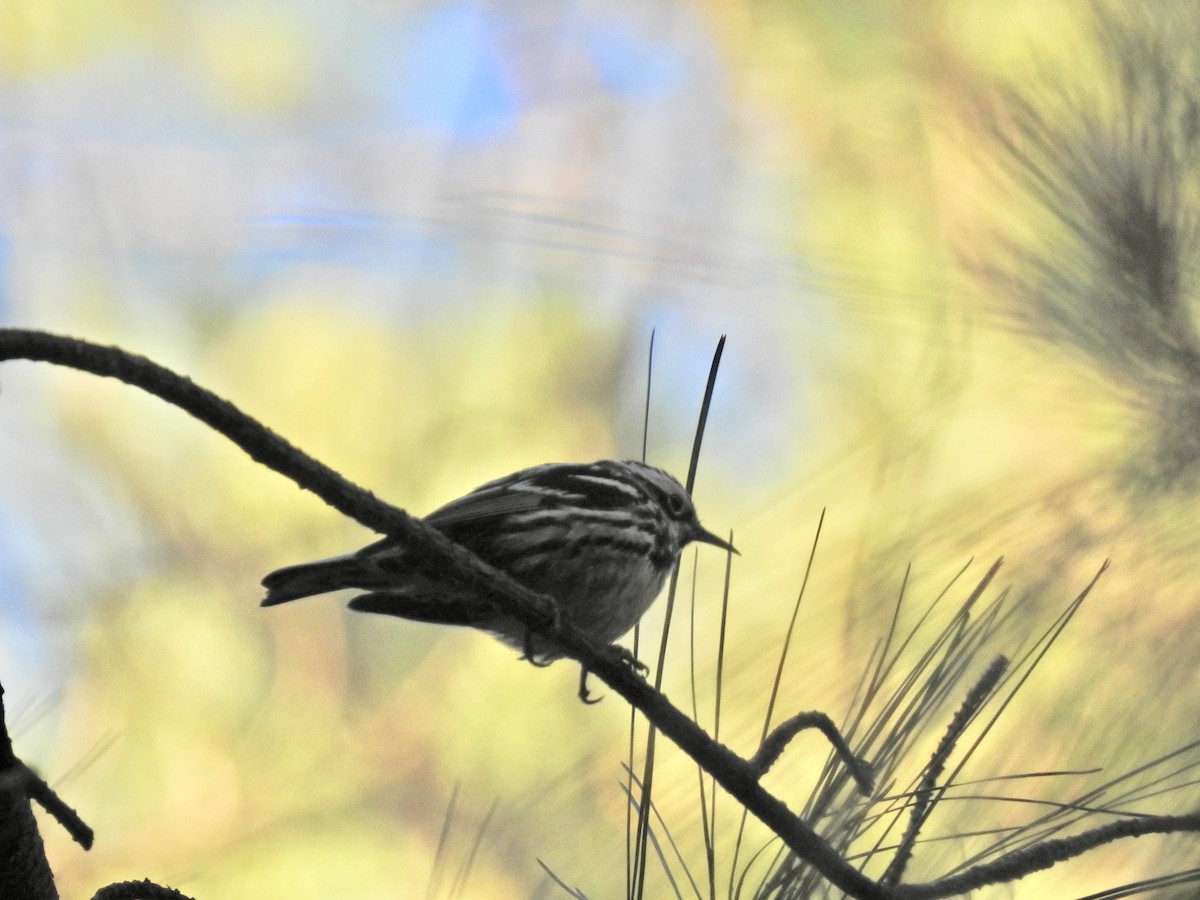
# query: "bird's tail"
{"points": [[309, 579]]}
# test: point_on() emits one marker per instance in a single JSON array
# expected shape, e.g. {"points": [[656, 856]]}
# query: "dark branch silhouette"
{"points": [[435, 553], [776, 742], [24, 871], [138, 890]]}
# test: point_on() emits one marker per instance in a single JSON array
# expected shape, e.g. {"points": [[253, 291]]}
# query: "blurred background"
{"points": [[428, 243]]}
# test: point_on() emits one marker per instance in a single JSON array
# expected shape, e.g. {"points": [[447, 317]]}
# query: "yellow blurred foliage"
{"points": [[307, 751], [256, 59], [39, 37]]}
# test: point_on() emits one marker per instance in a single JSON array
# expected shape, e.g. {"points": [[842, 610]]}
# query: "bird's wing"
{"points": [[542, 486], [485, 503]]}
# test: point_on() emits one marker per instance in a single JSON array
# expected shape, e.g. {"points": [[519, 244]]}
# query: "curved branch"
{"points": [[263, 446], [776, 742], [138, 890], [736, 775], [453, 562]]}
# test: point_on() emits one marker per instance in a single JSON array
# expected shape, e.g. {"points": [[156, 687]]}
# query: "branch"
{"points": [[47, 799], [433, 550], [138, 890], [448, 560], [776, 742], [1043, 855], [24, 870], [262, 445]]}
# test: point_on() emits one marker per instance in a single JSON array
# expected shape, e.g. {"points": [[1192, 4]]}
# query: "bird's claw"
{"points": [[528, 654], [584, 695], [621, 655]]}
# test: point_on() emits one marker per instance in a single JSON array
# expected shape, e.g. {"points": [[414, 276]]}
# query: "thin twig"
{"points": [[776, 742]]}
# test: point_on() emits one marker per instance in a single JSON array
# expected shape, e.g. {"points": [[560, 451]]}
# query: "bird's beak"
{"points": [[707, 537]]}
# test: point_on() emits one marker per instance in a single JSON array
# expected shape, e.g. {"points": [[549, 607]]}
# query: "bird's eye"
{"points": [[676, 505]]}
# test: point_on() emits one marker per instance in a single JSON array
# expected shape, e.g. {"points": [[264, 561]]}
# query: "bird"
{"points": [[598, 538]]}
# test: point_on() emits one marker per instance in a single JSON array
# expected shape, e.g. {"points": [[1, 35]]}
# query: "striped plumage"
{"points": [[600, 538]]}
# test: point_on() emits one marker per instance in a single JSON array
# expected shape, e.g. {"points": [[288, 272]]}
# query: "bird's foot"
{"points": [[584, 695], [529, 654]]}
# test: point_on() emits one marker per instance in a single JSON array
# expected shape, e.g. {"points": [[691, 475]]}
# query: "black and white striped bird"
{"points": [[599, 538]]}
